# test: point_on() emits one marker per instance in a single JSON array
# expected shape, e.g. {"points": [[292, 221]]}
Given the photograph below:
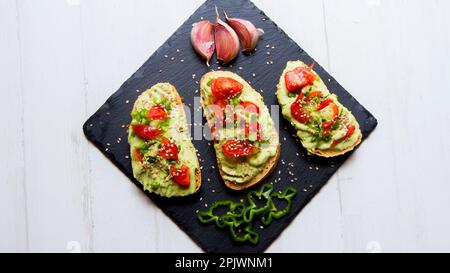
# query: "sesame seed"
{"points": [[173, 58], [127, 101], [182, 60]]}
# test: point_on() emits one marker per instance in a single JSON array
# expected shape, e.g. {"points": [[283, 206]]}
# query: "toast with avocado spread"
{"points": [[245, 139], [325, 127], [163, 157]]}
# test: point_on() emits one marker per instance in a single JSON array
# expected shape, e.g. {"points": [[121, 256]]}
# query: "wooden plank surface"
{"points": [[60, 60]]}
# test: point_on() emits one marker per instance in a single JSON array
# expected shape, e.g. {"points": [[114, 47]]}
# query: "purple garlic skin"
{"points": [[227, 42], [248, 34], [202, 39]]}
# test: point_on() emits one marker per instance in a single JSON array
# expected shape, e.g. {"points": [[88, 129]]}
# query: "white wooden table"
{"points": [[61, 59]]}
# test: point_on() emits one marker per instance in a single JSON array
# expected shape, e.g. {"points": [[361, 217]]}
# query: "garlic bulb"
{"points": [[227, 41], [247, 32], [202, 39]]}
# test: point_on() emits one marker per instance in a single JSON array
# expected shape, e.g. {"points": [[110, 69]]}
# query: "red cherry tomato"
{"points": [[350, 131], [314, 94], [181, 175], [238, 148], [249, 106], [225, 88], [138, 155], [297, 111], [324, 104], [168, 149], [157, 112], [146, 132], [299, 78], [334, 108]]}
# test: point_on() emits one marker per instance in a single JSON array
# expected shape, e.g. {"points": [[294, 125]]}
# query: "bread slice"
{"points": [[271, 163], [319, 85], [177, 102]]}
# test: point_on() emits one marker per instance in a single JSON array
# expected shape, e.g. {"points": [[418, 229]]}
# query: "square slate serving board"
{"points": [[176, 62]]}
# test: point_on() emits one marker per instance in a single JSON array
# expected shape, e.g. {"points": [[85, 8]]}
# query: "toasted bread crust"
{"points": [[330, 152], [179, 103], [268, 167]]}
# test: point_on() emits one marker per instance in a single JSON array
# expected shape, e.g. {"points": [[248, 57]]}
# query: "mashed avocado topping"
{"points": [[322, 123], [159, 154], [244, 119]]}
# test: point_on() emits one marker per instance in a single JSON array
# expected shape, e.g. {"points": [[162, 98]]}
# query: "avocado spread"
{"points": [[242, 169], [150, 168], [313, 133]]}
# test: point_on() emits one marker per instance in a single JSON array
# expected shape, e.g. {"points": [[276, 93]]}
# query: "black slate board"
{"points": [[105, 126]]}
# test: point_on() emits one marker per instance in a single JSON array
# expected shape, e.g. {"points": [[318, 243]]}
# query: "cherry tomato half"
{"points": [[168, 149], [249, 106], [299, 78], [238, 148], [181, 175], [225, 88], [138, 155], [297, 111], [157, 112], [146, 132]]}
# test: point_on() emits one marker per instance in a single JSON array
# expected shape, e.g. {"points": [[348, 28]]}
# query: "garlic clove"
{"points": [[202, 39], [247, 32], [227, 41]]}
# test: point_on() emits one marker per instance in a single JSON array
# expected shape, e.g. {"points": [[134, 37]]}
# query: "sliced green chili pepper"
{"points": [[274, 213], [232, 216], [240, 217], [253, 210], [249, 235]]}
